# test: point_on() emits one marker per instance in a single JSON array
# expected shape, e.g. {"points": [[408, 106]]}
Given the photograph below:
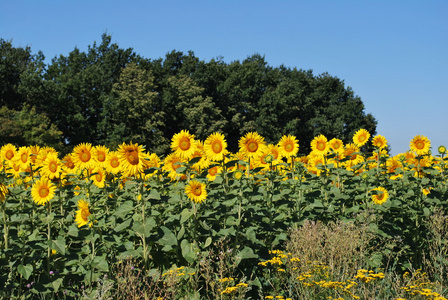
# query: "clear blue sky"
{"points": [[393, 53]]}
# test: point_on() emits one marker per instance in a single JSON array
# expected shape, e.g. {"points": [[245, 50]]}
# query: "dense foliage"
{"points": [[108, 95], [68, 221]]}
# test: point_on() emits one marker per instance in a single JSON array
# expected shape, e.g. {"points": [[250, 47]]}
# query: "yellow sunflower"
{"points": [[379, 141], [83, 213], [130, 159], [3, 192], [336, 145], [252, 144], [203, 162], [213, 172], [380, 196], [183, 144], [196, 191], [8, 152], [215, 147], [82, 156], [288, 146], [23, 158], [361, 137], [98, 176], [100, 155], [420, 144], [319, 145], [171, 163], [34, 151], [113, 165], [51, 167], [43, 191], [351, 151], [67, 163]]}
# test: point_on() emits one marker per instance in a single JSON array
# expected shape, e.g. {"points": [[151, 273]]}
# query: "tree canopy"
{"points": [[109, 95]]}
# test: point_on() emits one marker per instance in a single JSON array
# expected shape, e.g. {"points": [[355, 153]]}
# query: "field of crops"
{"points": [[346, 221]]}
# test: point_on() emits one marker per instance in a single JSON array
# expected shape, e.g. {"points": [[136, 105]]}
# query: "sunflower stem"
{"points": [[6, 231], [49, 238]]}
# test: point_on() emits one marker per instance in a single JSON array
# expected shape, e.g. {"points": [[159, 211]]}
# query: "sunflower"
{"points": [[215, 147], [150, 161], [8, 152], [23, 158], [351, 151], [67, 163], [336, 145], [171, 163], [420, 144], [82, 214], [100, 155], [113, 165], [379, 141], [131, 159], [43, 191], [203, 162], [82, 156], [380, 196], [98, 176], [252, 144], [442, 150], [51, 167], [196, 191], [183, 144], [3, 192], [315, 164], [288, 146], [319, 145], [34, 151], [213, 171], [361, 137], [42, 155]]}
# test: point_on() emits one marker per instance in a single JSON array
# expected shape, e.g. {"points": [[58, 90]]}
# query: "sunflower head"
{"points": [[319, 145], [83, 213], [336, 145], [196, 191], [43, 191], [3, 192], [183, 144], [380, 196], [215, 147], [252, 144], [288, 146], [361, 137], [113, 164], [379, 141], [420, 145], [442, 150], [130, 156], [82, 156], [8, 152]]}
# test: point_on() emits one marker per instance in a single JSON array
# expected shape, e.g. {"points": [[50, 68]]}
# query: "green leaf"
{"points": [[154, 194], [57, 283], [25, 270], [168, 239], [59, 245], [124, 209], [123, 225], [100, 264], [188, 251], [181, 232], [247, 253], [208, 242], [185, 215]]}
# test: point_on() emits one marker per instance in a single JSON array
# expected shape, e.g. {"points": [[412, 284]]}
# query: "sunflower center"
{"points": [[320, 146], [217, 147], [132, 157], [361, 138], [114, 162], [252, 146], [24, 157], [85, 156], [101, 156], [420, 145], [336, 146], [53, 166], [99, 177], [380, 196], [43, 192], [184, 144], [289, 147], [213, 171], [85, 214], [197, 190], [9, 154]]}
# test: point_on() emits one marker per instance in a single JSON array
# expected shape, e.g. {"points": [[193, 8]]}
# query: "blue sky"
{"points": [[393, 54]]}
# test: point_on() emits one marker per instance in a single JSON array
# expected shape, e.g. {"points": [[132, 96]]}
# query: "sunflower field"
{"points": [[205, 223]]}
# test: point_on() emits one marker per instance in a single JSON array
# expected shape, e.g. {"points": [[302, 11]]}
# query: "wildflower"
{"points": [[381, 196], [361, 137], [196, 191], [42, 191]]}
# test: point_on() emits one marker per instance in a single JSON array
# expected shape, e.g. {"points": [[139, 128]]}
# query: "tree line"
{"points": [[108, 95]]}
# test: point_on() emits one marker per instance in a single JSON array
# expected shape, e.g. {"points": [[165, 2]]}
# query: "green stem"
{"points": [[6, 233], [49, 238]]}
